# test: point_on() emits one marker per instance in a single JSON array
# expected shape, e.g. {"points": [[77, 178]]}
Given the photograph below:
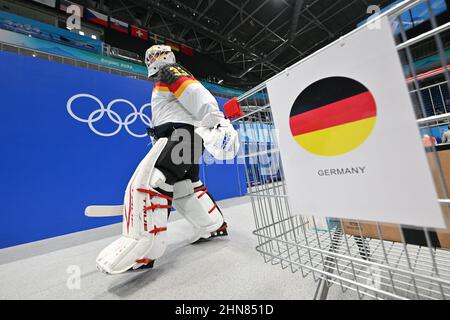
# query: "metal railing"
{"points": [[436, 100], [65, 60], [122, 54], [333, 251]]}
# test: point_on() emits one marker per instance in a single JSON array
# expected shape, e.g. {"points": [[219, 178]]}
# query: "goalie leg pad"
{"points": [[201, 211], [183, 189], [122, 254], [147, 203]]}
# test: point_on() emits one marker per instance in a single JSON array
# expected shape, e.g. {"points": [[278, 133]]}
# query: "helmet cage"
{"points": [[156, 57]]}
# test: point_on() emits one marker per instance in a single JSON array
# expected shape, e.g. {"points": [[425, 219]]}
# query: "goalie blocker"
{"points": [[159, 183]]}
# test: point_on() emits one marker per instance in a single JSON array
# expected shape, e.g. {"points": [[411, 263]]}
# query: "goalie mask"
{"points": [[156, 57]]}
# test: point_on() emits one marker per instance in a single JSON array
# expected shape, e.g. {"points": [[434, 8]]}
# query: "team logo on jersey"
{"points": [[333, 116]]}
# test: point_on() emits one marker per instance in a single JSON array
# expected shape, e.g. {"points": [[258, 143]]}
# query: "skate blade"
{"points": [[221, 232], [146, 264]]}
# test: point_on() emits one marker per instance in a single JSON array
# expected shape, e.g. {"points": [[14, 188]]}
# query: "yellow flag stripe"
{"points": [[337, 140]]}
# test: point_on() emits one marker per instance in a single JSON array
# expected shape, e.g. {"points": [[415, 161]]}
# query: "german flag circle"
{"points": [[333, 116]]}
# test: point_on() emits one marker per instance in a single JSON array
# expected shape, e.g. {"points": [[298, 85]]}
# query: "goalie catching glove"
{"points": [[221, 141]]}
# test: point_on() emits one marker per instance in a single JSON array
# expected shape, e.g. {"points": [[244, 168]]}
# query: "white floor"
{"points": [[228, 268]]}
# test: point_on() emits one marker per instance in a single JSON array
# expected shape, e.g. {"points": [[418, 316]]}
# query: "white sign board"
{"points": [[349, 141]]}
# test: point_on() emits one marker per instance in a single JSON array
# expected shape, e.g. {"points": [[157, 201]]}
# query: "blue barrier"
{"points": [[36, 29], [53, 166], [28, 33]]}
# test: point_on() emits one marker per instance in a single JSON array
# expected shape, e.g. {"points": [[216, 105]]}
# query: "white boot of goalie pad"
{"points": [[144, 224], [202, 212]]}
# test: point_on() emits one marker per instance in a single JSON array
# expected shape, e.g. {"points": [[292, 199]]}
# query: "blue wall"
{"points": [[53, 166]]}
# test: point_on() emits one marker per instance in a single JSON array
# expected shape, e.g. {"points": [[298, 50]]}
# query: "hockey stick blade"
{"points": [[103, 211]]}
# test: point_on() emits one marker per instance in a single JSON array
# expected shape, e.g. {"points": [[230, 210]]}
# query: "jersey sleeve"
{"points": [[189, 91]]}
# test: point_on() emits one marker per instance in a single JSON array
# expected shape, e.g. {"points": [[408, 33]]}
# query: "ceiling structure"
{"points": [[254, 38]]}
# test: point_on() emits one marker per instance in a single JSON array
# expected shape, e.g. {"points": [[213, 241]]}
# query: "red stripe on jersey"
{"points": [[175, 86]]}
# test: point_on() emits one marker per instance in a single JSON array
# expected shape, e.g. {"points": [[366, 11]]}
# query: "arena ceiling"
{"points": [[255, 39]]}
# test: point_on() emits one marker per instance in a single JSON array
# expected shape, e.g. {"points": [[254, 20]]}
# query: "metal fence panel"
{"points": [[373, 265]]}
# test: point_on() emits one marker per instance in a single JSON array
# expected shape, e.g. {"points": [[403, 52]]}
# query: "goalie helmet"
{"points": [[156, 57]]}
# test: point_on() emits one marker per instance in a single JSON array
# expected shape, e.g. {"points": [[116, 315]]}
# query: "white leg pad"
{"points": [[201, 211], [144, 226], [122, 254]]}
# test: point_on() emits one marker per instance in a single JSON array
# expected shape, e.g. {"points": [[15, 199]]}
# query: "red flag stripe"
{"points": [[120, 29], [99, 21], [359, 107], [139, 33], [187, 50], [96, 17]]}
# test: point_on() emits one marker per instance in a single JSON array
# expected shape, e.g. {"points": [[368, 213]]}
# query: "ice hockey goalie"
{"points": [[186, 119]]}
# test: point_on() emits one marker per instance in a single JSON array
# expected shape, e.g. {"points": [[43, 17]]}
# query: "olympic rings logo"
{"points": [[98, 114]]}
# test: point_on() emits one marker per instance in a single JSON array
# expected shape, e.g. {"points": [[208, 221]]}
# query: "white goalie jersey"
{"points": [[179, 98]]}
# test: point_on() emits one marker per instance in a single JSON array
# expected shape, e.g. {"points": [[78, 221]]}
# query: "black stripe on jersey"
{"points": [[170, 73]]}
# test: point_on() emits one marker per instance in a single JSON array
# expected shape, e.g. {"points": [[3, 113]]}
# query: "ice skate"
{"points": [[202, 236]]}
